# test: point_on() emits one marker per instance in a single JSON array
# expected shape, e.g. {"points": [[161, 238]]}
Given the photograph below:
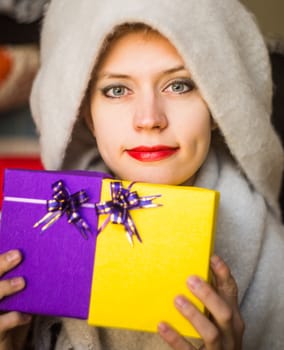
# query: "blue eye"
{"points": [[180, 86], [115, 91]]}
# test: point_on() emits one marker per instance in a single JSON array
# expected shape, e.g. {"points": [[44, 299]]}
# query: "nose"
{"points": [[150, 114]]}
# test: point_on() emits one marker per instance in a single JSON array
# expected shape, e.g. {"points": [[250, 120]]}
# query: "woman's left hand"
{"points": [[224, 330]]}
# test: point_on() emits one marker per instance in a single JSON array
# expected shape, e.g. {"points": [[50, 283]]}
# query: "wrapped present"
{"points": [[134, 286], [58, 261], [145, 240]]}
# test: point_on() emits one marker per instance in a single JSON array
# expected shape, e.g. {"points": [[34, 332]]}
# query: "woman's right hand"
{"points": [[12, 319]]}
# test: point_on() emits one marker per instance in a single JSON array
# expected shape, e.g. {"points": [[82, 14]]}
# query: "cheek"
{"points": [[108, 117], [193, 124], [105, 135], [203, 128], [99, 121], [106, 130]]}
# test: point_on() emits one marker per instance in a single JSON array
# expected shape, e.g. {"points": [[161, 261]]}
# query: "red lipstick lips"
{"points": [[151, 154]]}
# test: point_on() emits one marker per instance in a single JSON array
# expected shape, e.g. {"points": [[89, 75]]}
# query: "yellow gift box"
{"points": [[134, 286]]}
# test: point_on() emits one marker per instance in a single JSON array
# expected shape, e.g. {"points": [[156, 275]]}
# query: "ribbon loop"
{"points": [[122, 201], [63, 202]]}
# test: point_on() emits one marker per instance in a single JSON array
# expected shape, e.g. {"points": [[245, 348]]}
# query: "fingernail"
{"points": [[194, 282], [215, 260], [13, 255], [17, 282], [163, 327], [26, 317], [181, 302]]}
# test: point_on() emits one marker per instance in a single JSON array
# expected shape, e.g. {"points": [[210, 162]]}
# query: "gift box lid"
{"points": [[134, 286], [57, 263]]}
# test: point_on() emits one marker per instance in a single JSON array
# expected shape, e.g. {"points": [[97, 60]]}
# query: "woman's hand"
{"points": [[224, 330], [12, 319]]}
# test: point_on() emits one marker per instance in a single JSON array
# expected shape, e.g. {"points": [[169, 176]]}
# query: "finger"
{"points": [[224, 281], [227, 288], [173, 338], [207, 330], [11, 286], [9, 260], [13, 319], [216, 305], [226, 314]]}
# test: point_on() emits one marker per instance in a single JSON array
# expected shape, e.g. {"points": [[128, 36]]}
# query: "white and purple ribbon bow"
{"points": [[123, 200], [65, 203]]}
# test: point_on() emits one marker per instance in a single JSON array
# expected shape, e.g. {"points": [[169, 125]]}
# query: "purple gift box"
{"points": [[61, 251]]}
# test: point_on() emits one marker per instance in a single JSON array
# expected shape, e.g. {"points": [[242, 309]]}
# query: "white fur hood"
{"points": [[222, 48]]}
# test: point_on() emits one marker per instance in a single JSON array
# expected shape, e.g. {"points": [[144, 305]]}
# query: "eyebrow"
{"points": [[174, 70], [125, 76]]}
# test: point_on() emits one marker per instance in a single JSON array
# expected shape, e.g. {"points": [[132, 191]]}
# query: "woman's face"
{"points": [[150, 122]]}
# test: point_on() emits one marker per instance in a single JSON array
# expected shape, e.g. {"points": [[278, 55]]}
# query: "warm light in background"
{"points": [[5, 64]]}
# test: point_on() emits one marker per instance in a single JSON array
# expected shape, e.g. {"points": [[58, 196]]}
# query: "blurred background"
{"points": [[269, 15], [20, 23]]}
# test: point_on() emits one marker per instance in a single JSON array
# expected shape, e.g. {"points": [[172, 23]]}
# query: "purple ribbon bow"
{"points": [[123, 200], [65, 203]]}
